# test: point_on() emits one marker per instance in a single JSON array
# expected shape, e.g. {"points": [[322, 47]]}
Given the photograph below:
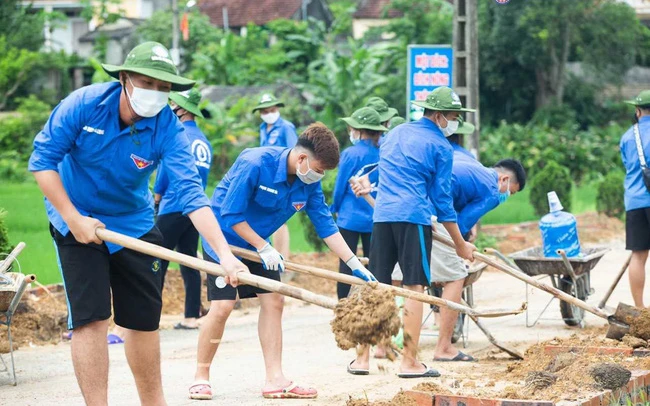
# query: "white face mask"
{"points": [[452, 127], [309, 177], [270, 118], [354, 136], [145, 102]]}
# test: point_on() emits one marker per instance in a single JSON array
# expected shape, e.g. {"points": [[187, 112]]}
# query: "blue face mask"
{"points": [[503, 196]]}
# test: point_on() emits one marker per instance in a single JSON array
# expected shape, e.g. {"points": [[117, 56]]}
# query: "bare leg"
{"points": [[142, 350], [363, 358], [269, 329], [637, 276], [119, 331], [210, 336], [90, 361], [453, 292], [412, 325], [281, 241], [191, 322]]}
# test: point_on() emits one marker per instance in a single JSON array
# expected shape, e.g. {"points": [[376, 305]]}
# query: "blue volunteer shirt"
{"points": [[475, 190], [415, 168], [256, 190], [281, 134], [355, 214], [105, 170], [171, 201], [460, 152], [636, 194]]}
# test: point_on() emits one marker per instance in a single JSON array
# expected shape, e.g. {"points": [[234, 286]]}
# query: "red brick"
{"points": [[451, 400], [422, 398], [527, 403], [594, 401]]}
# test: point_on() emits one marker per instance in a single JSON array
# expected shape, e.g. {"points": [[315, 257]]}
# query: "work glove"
{"points": [[359, 270], [271, 258]]}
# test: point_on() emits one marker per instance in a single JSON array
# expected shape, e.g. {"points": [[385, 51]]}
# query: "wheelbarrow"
{"points": [[570, 275]]}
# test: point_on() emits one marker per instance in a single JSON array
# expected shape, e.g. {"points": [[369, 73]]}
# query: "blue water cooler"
{"points": [[559, 230]]}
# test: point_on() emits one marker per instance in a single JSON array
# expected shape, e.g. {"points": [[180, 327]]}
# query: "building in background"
{"points": [[236, 14], [369, 14], [642, 8]]}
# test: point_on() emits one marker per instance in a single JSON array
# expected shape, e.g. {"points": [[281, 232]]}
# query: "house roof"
{"points": [[242, 12], [374, 9], [117, 30]]}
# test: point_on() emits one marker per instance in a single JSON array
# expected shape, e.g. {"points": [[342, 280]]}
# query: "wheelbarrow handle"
{"points": [[525, 278], [213, 269]]}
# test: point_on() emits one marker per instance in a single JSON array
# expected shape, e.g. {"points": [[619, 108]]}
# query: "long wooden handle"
{"points": [[615, 283], [525, 278], [6, 263], [213, 269], [351, 280], [514, 353]]}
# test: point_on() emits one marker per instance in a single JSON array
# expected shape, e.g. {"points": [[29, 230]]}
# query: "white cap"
{"points": [[554, 202]]}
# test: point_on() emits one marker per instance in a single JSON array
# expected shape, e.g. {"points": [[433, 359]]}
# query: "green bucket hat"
{"points": [[267, 100], [154, 60], [188, 100], [643, 99], [381, 107], [365, 118], [395, 121], [465, 127], [442, 99]]}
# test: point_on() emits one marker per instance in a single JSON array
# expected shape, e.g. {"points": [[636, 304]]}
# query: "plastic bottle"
{"points": [[559, 230]]}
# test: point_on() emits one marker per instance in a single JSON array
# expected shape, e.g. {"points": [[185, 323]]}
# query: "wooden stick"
{"points": [[351, 280], [6, 263], [615, 283], [516, 354], [213, 269], [525, 278], [371, 201]]}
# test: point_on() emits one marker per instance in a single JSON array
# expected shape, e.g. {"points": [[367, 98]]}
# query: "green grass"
{"points": [[26, 221]]}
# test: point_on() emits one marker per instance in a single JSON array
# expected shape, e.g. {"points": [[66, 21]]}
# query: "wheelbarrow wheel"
{"points": [[458, 328], [572, 315]]}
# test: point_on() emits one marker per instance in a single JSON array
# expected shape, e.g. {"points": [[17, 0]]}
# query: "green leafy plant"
{"points": [[609, 200], [485, 241], [5, 247], [553, 177]]}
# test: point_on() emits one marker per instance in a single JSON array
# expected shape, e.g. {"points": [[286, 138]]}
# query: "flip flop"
{"points": [[181, 326], [201, 390], [460, 357], [293, 391], [114, 339], [357, 371], [429, 373]]}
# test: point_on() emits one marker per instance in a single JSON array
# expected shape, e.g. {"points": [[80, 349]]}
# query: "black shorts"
{"points": [[637, 229], [90, 273], [405, 243], [244, 291]]}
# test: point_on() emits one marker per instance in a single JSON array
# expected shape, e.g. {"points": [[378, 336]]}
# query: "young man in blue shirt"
{"points": [[261, 191], [355, 215], [415, 162], [276, 132], [93, 160], [637, 196], [177, 229]]}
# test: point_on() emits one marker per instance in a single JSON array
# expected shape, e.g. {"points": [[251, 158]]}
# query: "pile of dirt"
{"points": [[432, 387], [38, 320], [401, 399], [590, 337], [592, 228], [640, 326], [367, 316]]}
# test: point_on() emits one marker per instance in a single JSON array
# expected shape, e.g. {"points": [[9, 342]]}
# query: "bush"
{"points": [[609, 200], [5, 247], [316, 242], [553, 177]]}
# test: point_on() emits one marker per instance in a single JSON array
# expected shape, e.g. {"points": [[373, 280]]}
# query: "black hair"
{"points": [[515, 167], [321, 142], [645, 108]]}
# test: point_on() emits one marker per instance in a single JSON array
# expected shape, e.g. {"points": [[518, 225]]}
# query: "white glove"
{"points": [[271, 258], [359, 270]]}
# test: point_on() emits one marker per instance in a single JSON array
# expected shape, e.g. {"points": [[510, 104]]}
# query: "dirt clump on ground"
{"points": [[591, 337], [634, 342], [610, 376], [640, 325], [432, 387], [367, 316], [37, 320], [538, 380], [561, 361], [401, 399]]}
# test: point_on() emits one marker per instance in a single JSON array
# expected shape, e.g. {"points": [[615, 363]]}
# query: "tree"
{"points": [[21, 26], [16, 66]]}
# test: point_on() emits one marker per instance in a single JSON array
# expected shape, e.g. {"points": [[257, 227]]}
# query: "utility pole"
{"points": [[175, 51], [465, 75]]}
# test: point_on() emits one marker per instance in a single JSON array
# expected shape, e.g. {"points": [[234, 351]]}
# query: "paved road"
{"points": [[311, 356]]}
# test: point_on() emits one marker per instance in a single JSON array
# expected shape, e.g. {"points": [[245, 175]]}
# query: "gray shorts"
{"points": [[446, 265]]}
